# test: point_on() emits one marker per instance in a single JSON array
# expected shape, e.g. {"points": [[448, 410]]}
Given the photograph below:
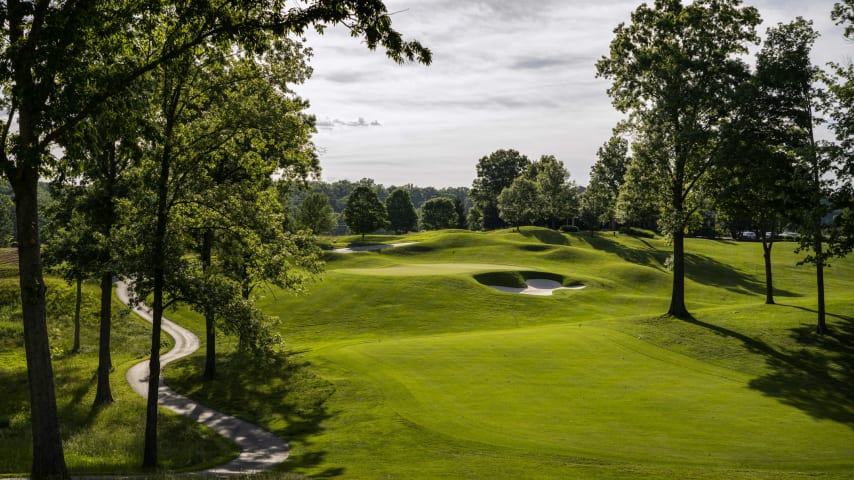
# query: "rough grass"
{"points": [[437, 376], [96, 441]]}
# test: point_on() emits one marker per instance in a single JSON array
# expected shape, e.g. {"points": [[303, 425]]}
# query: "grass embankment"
{"points": [[418, 370], [96, 441]]}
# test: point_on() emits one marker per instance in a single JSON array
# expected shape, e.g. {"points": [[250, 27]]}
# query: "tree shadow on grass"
{"points": [[281, 391], [546, 236], [706, 270], [648, 257], [816, 376]]}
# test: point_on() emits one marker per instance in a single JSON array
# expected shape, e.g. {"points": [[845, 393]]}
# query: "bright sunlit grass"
{"points": [[432, 374]]}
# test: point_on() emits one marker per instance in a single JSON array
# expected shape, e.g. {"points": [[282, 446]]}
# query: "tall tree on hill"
{"points": [[518, 203], [557, 195], [494, 173], [50, 83], [839, 108], [674, 70], [365, 213], [599, 201], [756, 171], [402, 216], [315, 214], [438, 213]]}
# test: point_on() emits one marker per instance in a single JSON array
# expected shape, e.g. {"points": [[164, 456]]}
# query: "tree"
{"points": [[364, 213], [460, 208], [674, 71], [840, 102], [7, 225], [315, 214], [438, 213], [402, 216], [517, 204], [494, 174], [557, 198], [599, 201], [50, 83], [756, 171]]}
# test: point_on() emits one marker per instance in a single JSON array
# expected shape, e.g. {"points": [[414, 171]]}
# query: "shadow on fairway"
{"points": [[648, 257], [546, 236], [708, 271], [816, 377], [281, 392]]}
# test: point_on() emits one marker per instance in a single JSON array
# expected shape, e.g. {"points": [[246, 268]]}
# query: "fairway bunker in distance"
{"points": [[537, 286], [371, 248]]}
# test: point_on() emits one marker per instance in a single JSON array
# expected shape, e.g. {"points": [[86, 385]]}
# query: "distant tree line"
{"points": [[405, 206]]}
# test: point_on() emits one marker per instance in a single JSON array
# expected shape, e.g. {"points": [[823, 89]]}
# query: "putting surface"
{"points": [[583, 391]]}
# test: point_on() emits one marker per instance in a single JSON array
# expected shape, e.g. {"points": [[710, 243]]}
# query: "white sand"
{"points": [[537, 286]]}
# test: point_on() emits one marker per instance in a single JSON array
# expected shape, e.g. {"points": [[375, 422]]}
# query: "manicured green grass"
{"points": [[422, 371], [96, 441]]}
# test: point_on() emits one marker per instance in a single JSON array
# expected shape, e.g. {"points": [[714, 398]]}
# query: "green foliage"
{"points": [[315, 214], [97, 441], [494, 173], [607, 175], [7, 220], [569, 228], [365, 213], [439, 213], [402, 216], [557, 196], [518, 204]]}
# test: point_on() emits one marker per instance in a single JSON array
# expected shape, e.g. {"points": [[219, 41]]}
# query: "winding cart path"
{"points": [[259, 449]]}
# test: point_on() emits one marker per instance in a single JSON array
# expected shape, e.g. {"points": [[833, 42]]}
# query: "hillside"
{"points": [[403, 365]]}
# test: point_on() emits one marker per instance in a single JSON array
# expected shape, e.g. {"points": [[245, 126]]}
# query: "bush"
{"points": [[569, 229]]}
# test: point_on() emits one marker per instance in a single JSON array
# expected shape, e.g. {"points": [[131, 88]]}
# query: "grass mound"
{"points": [[517, 279]]}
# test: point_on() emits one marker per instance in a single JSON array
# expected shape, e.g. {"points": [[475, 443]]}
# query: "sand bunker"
{"points": [[370, 248], [537, 286]]}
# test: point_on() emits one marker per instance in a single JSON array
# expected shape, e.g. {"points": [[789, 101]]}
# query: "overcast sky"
{"points": [[505, 74]]}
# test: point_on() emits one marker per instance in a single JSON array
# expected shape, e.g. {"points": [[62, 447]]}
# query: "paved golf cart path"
{"points": [[259, 449]]}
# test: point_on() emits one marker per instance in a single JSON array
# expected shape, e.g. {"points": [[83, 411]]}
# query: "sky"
{"points": [[506, 74]]}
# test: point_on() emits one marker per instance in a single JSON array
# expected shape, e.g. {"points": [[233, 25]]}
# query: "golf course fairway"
{"points": [[403, 363]]}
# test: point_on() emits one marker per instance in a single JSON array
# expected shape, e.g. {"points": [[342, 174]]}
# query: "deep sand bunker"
{"points": [[537, 286]]}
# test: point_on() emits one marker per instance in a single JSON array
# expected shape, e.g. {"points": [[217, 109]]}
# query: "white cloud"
{"points": [[505, 74]]}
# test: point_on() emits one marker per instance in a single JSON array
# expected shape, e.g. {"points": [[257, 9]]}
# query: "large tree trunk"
{"points": [[78, 299], [48, 458], [769, 280], [104, 394], [677, 298], [210, 324]]}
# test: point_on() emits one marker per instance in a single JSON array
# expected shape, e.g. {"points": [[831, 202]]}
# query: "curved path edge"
{"points": [[259, 449]]}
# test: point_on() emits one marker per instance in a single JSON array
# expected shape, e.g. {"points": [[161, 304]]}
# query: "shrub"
{"points": [[569, 229]]}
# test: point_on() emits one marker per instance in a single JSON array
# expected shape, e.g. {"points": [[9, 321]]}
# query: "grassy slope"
{"points": [[438, 376], [108, 440]]}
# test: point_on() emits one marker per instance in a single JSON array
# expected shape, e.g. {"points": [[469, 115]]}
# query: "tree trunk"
{"points": [[677, 298], [821, 327], [48, 457], [769, 280], [104, 394], [77, 301], [159, 274], [210, 325]]}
